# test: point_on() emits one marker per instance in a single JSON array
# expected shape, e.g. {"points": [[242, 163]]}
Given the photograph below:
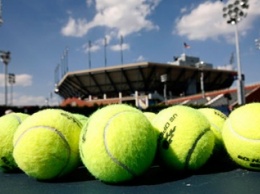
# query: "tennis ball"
{"points": [[82, 118], [8, 126], [185, 141], [46, 144], [241, 135], [118, 143], [150, 115], [217, 120]]}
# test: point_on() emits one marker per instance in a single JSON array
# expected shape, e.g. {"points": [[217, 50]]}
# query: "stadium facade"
{"points": [[144, 83]]}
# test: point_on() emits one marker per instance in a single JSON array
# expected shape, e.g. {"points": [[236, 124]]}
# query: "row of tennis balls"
{"points": [[119, 142]]}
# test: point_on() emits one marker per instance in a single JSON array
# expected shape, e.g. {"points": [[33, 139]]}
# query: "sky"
{"points": [[39, 34]]}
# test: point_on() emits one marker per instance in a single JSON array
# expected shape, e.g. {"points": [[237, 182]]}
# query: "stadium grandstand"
{"points": [[186, 80]]}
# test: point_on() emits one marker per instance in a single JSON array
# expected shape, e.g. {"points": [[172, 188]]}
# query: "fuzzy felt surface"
{"points": [[46, 144], [185, 139], [217, 120], [241, 136], [8, 126], [118, 143]]}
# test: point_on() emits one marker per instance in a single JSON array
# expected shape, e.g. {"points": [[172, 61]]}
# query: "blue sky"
{"points": [[38, 32]]}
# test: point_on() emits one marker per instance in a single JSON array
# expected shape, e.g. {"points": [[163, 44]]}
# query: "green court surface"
{"points": [[218, 177]]}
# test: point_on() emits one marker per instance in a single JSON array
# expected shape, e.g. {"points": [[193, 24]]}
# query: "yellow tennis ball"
{"points": [[8, 126], [46, 144], [217, 120], [185, 139], [118, 143], [82, 118], [150, 115], [241, 135]]}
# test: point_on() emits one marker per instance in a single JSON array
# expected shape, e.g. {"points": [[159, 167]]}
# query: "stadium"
{"points": [[186, 80]]}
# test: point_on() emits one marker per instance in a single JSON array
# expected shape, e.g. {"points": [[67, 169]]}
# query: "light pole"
{"points": [[1, 19], [5, 57], [121, 49], [105, 51], [89, 54], [234, 14], [164, 81], [201, 63], [11, 79]]}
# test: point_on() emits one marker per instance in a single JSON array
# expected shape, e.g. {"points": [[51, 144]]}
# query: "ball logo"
{"points": [[220, 115], [71, 118], [165, 137], [255, 163], [84, 131]]}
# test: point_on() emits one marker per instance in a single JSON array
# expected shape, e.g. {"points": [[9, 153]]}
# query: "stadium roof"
{"points": [[143, 77]]}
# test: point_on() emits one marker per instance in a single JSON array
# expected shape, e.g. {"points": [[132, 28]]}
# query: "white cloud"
{"points": [[141, 58], [96, 45], [76, 28], [124, 17], [19, 99], [92, 47], [20, 80], [206, 22], [117, 47], [23, 80], [183, 10], [28, 100], [89, 2], [99, 43]]}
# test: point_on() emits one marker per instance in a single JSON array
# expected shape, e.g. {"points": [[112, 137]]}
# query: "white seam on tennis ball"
{"points": [[190, 152], [58, 133], [238, 135], [18, 118], [83, 138], [106, 144], [216, 127]]}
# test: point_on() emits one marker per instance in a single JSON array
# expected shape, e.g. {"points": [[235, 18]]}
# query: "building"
{"points": [[225, 98], [144, 83], [185, 60]]}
